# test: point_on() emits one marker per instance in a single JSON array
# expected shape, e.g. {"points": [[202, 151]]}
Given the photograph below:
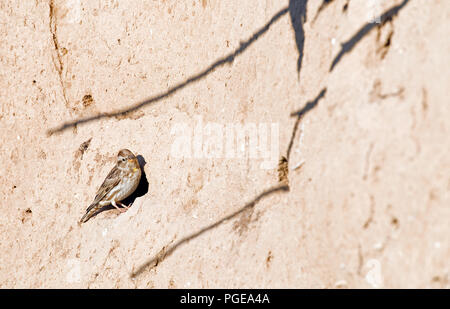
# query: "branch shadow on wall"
{"points": [[167, 250], [348, 46], [299, 114], [220, 62], [298, 14], [321, 8]]}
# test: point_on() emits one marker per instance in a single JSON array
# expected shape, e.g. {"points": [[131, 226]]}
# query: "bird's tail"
{"points": [[90, 211]]}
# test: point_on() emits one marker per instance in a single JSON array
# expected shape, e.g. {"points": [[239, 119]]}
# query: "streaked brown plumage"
{"points": [[120, 183]]}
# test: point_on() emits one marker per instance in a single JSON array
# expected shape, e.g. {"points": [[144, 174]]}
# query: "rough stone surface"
{"points": [[368, 164]]}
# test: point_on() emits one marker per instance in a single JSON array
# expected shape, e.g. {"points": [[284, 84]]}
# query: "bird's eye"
{"points": [[123, 159]]}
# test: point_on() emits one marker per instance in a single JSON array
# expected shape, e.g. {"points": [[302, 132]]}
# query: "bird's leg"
{"points": [[124, 206], [117, 207]]}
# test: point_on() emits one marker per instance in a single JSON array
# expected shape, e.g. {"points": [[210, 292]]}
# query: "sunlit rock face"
{"points": [[283, 144]]}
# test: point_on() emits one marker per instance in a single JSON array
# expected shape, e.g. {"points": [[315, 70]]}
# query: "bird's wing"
{"points": [[108, 184]]}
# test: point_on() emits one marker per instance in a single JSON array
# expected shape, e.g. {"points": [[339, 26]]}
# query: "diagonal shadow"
{"points": [[297, 11], [222, 61], [299, 114], [322, 7], [351, 43], [168, 250]]}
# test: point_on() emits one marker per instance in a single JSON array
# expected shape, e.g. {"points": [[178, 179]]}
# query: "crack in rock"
{"points": [[59, 65]]}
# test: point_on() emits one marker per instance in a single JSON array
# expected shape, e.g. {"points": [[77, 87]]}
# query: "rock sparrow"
{"points": [[120, 183]]}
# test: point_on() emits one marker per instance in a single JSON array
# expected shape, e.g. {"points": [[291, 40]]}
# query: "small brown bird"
{"points": [[120, 183]]}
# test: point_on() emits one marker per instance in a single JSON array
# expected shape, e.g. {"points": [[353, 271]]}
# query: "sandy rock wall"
{"points": [[358, 97]]}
